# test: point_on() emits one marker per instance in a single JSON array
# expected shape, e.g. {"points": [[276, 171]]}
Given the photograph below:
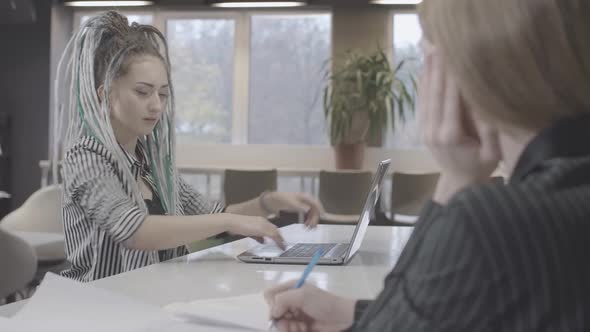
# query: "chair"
{"points": [[18, 264], [344, 192], [243, 185], [41, 212], [240, 186], [409, 192]]}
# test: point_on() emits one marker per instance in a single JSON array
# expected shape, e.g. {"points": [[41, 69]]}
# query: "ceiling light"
{"points": [[396, 2], [257, 4], [108, 3]]}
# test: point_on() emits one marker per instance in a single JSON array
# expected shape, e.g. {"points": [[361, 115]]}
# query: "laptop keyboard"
{"points": [[307, 249]]}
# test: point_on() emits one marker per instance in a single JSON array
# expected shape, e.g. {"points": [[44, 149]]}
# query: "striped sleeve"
{"points": [[193, 202], [442, 285], [94, 185]]}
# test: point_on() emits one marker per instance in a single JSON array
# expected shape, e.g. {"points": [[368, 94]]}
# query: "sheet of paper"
{"points": [[7, 324], [60, 304], [248, 312]]}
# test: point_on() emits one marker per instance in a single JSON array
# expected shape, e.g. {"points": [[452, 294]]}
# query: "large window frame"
{"points": [[242, 51], [300, 161], [240, 153]]}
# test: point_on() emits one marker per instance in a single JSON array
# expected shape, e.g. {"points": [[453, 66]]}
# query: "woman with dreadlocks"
{"points": [[125, 205]]}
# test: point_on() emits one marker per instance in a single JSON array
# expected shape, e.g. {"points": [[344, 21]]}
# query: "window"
{"points": [[202, 57], [288, 54], [407, 34], [245, 77]]}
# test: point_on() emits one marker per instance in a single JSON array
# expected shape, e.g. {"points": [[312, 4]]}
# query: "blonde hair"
{"points": [[99, 53], [523, 62]]}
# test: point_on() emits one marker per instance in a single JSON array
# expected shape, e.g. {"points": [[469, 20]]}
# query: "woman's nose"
{"points": [[155, 105]]}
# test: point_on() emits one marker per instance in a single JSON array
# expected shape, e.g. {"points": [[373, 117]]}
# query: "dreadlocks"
{"points": [[99, 53]]}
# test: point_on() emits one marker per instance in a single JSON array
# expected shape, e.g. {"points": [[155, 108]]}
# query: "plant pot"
{"points": [[349, 156]]}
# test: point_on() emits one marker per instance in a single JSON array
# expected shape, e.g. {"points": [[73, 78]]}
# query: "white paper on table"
{"points": [[61, 304], [7, 324], [4, 322], [248, 312]]}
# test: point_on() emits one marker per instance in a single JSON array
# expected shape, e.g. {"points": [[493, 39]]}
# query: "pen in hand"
{"points": [[314, 260]]}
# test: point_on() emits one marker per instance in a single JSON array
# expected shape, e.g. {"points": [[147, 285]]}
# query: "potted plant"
{"points": [[360, 99]]}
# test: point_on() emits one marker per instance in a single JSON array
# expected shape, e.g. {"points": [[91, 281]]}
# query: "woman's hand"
{"points": [[308, 309], [255, 227], [295, 202], [464, 145]]}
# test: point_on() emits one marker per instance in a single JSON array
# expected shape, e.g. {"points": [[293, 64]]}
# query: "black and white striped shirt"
{"points": [[500, 257], [99, 215]]}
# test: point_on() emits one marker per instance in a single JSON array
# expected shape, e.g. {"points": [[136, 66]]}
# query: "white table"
{"points": [[216, 272]]}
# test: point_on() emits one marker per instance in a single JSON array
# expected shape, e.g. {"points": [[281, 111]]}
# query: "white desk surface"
{"points": [[216, 272]]}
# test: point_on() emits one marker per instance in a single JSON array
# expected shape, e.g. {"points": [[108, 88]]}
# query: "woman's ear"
{"points": [[100, 93]]}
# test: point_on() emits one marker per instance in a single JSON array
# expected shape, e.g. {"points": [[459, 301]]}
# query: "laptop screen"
{"points": [[365, 216]]}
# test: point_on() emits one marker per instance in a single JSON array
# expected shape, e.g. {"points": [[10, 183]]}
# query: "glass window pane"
{"points": [[202, 56], [288, 54], [407, 34], [210, 188], [296, 184]]}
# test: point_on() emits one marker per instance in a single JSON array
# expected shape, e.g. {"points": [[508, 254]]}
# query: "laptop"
{"points": [[333, 253]]}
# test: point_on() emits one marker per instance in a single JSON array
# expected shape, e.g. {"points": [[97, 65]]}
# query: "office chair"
{"points": [[409, 193], [344, 192], [243, 185], [18, 264]]}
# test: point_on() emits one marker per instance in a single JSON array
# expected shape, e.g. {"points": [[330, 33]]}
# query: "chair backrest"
{"points": [[243, 185], [41, 212], [344, 192], [409, 192], [18, 264]]}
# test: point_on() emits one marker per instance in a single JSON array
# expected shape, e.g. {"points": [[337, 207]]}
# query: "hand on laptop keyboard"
{"points": [[255, 227]]}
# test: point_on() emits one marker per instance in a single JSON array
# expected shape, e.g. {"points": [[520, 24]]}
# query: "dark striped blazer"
{"points": [[99, 215], [500, 257]]}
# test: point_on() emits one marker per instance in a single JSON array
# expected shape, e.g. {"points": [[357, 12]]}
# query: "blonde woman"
{"points": [[125, 206], [508, 81]]}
